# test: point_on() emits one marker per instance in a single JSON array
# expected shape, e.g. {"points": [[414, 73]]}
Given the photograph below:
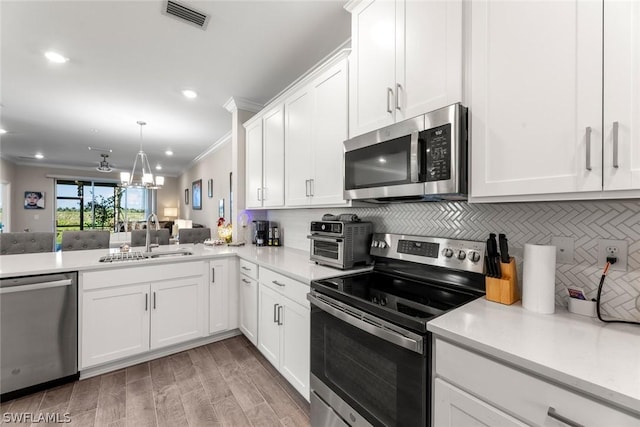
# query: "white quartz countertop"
{"points": [[291, 262], [581, 352]]}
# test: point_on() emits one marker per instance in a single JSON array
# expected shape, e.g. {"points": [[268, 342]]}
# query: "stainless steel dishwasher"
{"points": [[38, 332]]}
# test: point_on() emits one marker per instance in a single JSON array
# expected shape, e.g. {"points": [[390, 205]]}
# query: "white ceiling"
{"points": [[130, 62]]}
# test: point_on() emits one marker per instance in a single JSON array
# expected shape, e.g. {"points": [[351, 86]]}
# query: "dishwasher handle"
{"points": [[36, 286]]}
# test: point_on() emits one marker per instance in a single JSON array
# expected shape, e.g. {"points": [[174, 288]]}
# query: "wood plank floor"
{"points": [[227, 383]]}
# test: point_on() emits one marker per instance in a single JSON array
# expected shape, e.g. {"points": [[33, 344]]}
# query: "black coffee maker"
{"points": [[260, 232]]}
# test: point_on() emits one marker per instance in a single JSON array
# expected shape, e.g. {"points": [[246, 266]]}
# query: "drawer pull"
{"points": [[553, 414], [275, 282], [275, 313], [616, 125], [280, 323], [245, 268], [246, 281], [588, 138]]}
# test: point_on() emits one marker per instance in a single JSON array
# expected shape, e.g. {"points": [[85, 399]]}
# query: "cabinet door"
{"points": [[115, 323], [273, 158], [298, 160], [453, 407], [621, 95], [177, 311], [534, 96], [294, 363], [372, 79], [428, 56], [330, 129], [218, 296], [254, 164], [268, 328], [249, 308]]}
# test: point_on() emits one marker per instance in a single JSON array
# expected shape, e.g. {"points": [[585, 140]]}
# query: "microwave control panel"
{"points": [[437, 150]]}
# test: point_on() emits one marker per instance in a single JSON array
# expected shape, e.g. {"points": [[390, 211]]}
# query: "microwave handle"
{"points": [[414, 163]]}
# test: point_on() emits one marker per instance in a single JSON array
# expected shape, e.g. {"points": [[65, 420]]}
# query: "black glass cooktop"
{"points": [[404, 301]]}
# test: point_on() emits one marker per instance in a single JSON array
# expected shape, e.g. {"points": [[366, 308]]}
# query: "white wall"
{"points": [[215, 165]]}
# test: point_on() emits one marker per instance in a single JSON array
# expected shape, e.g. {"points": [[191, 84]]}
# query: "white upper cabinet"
{"points": [[536, 99], [254, 164], [265, 159], [406, 60], [621, 95], [316, 124]]}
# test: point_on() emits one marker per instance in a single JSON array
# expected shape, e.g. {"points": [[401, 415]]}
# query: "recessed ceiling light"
{"points": [[55, 57], [188, 93], [39, 156], [169, 153], [2, 131], [158, 167]]}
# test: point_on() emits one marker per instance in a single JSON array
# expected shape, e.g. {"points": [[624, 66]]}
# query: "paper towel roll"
{"points": [[539, 278]]}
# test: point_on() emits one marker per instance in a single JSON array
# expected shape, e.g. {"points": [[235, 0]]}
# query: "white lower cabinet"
{"points": [[129, 311], [474, 390], [283, 327], [248, 295], [223, 295]]}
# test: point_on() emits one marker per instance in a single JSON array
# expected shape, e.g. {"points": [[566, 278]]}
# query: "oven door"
{"points": [[369, 371], [384, 163], [327, 250]]}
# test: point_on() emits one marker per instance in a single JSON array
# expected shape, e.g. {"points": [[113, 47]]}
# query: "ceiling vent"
{"points": [[186, 14]]}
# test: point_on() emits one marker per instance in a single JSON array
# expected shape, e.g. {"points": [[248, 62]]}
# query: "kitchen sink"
{"points": [[136, 256], [174, 252]]}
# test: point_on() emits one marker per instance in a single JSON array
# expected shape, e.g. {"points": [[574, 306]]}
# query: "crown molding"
{"points": [[235, 104]]}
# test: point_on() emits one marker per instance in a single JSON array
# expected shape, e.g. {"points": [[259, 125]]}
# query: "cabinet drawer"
{"points": [[526, 397], [292, 289], [248, 268]]}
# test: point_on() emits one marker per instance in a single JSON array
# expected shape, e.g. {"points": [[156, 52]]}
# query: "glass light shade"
{"points": [[124, 176], [159, 181], [147, 178]]}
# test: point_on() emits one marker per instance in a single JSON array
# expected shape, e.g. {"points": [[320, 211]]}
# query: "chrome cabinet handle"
{"points": [[275, 313], [553, 414], [389, 95], [246, 281], [35, 286], [213, 275], [275, 282], [154, 300], [616, 125], [588, 137], [398, 88], [146, 302], [245, 268], [280, 323], [306, 187]]}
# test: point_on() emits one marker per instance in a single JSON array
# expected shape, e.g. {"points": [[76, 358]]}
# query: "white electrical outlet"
{"points": [[613, 248], [564, 249]]}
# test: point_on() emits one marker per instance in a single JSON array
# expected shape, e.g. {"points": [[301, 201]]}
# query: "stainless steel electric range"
{"points": [[370, 349]]}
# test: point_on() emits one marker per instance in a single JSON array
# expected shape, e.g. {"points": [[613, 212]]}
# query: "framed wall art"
{"points": [[210, 188], [33, 200], [196, 194]]}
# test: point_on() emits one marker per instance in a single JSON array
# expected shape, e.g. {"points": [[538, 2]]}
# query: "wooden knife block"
{"points": [[505, 289]]}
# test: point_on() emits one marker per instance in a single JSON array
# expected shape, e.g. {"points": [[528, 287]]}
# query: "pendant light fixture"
{"points": [[104, 164], [141, 177]]}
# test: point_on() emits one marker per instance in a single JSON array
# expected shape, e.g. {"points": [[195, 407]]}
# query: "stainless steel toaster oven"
{"points": [[340, 244]]}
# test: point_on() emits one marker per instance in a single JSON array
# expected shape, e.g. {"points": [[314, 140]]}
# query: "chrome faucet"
{"points": [[148, 244]]}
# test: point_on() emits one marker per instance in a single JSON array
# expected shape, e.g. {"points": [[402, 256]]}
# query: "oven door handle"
{"points": [[324, 239], [368, 323]]}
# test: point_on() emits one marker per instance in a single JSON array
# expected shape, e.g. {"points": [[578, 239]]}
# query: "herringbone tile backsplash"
{"points": [[523, 223]]}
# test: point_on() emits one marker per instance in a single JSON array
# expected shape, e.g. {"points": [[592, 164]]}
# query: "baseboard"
{"points": [[155, 354]]}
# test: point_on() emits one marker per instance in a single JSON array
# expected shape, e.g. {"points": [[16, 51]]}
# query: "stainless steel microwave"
{"points": [[423, 158]]}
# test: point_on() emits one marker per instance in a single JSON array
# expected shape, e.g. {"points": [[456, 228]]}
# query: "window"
{"points": [[83, 205]]}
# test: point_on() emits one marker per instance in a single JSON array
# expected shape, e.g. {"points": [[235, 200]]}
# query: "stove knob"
{"points": [[447, 252], [374, 300], [375, 243], [474, 256], [382, 244], [462, 255], [383, 301]]}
